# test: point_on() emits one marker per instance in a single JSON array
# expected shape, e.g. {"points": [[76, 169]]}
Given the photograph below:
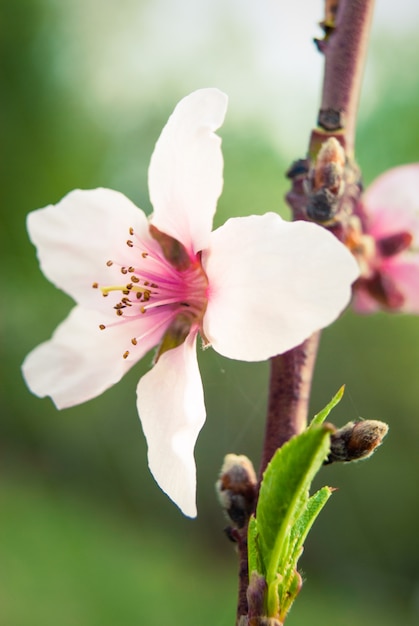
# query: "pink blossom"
{"points": [[388, 248], [254, 288]]}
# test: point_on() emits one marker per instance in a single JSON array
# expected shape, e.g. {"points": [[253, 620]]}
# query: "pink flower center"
{"points": [[169, 294]]}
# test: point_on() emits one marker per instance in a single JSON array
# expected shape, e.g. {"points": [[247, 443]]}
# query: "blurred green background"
{"points": [[86, 537]]}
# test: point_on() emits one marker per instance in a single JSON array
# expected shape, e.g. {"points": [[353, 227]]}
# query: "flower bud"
{"points": [[356, 441], [327, 181], [236, 488]]}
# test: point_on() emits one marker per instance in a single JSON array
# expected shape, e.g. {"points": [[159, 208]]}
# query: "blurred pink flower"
{"points": [[388, 250], [254, 288]]}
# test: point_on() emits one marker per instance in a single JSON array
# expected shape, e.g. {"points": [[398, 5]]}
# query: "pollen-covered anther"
{"points": [[124, 270], [119, 312], [109, 263], [131, 230], [130, 243], [95, 285], [126, 354], [102, 326], [134, 341], [144, 255], [135, 279]]}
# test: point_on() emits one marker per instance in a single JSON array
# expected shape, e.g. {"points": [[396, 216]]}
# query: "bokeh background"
{"points": [[86, 537]]}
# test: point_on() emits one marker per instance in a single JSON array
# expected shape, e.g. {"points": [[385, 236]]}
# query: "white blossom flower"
{"points": [[254, 288]]}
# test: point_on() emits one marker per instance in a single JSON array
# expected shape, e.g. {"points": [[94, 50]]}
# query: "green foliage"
{"points": [[323, 414], [285, 512]]}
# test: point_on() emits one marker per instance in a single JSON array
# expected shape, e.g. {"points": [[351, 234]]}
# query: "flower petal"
{"points": [[185, 174], [392, 202], [81, 361], [170, 403], [364, 303], [272, 284], [404, 273], [76, 237]]}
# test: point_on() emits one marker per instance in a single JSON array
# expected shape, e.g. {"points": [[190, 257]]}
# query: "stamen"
{"points": [[131, 231], [130, 244], [144, 255], [124, 270], [95, 285], [135, 279], [134, 341], [119, 312], [106, 290], [102, 326], [109, 263], [126, 353]]}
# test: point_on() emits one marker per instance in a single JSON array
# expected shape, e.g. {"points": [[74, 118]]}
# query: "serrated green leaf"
{"points": [[298, 535], [306, 520], [321, 416], [284, 494]]}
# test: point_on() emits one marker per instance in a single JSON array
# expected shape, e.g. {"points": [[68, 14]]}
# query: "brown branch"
{"points": [[346, 25], [290, 384], [345, 51]]}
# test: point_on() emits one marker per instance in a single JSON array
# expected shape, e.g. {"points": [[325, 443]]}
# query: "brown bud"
{"points": [[236, 488], [326, 182], [356, 441]]}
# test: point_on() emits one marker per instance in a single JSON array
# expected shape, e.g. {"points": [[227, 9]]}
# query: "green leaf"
{"points": [[283, 499], [255, 564], [284, 492], [321, 416], [306, 520], [298, 535]]}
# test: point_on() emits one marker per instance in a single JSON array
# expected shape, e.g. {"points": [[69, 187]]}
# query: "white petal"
{"points": [[171, 407], [185, 174], [392, 200], [76, 237], [272, 284], [81, 361]]}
